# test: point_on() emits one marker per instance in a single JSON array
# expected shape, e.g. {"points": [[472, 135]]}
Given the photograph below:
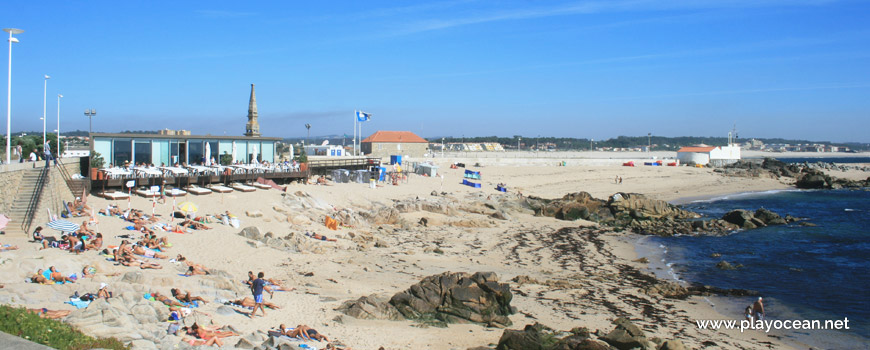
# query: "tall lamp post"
{"points": [[90, 113], [308, 137], [44, 94], [518, 143], [59, 96], [12, 39], [649, 142]]}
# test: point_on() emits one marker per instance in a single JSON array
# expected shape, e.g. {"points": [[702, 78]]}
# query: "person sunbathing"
{"points": [[5, 248], [304, 332], [47, 241], [128, 260], [38, 277], [58, 277], [147, 252], [104, 291], [52, 314], [165, 300], [83, 229], [193, 270], [74, 243], [321, 237], [88, 271], [249, 302], [96, 243], [209, 334], [186, 297], [188, 223]]}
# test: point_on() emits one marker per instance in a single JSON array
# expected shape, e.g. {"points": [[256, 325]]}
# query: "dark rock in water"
{"points": [[643, 260], [808, 224], [724, 265], [703, 290], [741, 218], [450, 297], [625, 336], [769, 217], [715, 255]]}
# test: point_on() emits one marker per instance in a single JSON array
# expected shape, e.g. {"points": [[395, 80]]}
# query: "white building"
{"points": [[717, 156], [325, 150]]}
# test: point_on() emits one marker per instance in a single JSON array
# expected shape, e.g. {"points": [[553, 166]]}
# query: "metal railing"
{"points": [[33, 205]]}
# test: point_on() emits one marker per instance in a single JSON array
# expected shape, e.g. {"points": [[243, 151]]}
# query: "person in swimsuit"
{"points": [[147, 253], [758, 310], [165, 300], [58, 277], [38, 277], [185, 297], [304, 332], [96, 243], [52, 314], [249, 302]]}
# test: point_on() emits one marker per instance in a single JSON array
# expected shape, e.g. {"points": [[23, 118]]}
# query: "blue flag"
{"points": [[363, 116]]}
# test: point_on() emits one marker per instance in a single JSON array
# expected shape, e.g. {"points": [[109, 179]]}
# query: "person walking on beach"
{"points": [[758, 309], [620, 180], [257, 287]]}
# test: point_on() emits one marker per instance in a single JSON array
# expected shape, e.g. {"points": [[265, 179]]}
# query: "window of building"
{"points": [[195, 152], [122, 152], [380, 146], [399, 146], [142, 150], [173, 152]]}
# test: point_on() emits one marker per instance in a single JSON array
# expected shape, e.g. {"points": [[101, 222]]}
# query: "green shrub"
{"points": [[53, 333]]}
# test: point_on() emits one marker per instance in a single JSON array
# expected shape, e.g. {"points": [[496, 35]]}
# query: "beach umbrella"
{"points": [[63, 226], [187, 207], [234, 152], [207, 153], [4, 220]]}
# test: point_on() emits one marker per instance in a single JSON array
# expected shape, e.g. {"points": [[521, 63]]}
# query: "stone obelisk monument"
{"points": [[252, 128]]}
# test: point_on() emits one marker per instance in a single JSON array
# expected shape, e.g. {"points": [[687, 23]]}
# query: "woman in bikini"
{"points": [[96, 243], [52, 314], [165, 300], [304, 332], [147, 252], [38, 277], [58, 277]]}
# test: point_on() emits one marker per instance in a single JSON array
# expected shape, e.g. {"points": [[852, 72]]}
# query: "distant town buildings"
{"points": [[758, 145]]}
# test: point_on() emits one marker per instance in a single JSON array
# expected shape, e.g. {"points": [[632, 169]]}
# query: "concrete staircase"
{"points": [[20, 206]]}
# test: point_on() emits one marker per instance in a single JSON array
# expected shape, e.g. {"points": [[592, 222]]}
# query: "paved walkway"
{"points": [[9, 341]]}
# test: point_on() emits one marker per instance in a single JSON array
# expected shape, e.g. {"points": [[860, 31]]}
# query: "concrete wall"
{"points": [[693, 157], [385, 149]]}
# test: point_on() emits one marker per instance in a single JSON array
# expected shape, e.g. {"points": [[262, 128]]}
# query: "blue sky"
{"points": [[599, 69]]}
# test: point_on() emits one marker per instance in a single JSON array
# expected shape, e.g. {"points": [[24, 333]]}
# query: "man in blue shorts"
{"points": [[257, 289]]}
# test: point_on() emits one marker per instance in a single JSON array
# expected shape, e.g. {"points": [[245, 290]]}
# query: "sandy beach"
{"points": [[588, 285]]}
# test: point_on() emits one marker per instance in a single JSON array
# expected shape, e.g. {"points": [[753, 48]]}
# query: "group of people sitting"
{"points": [[76, 242], [128, 255]]}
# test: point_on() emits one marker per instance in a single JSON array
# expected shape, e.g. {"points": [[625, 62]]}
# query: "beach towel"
{"points": [[78, 303], [331, 223]]}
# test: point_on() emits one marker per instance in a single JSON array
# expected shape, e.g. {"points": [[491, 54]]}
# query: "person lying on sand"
{"points": [[88, 271], [165, 300], [11, 247], [320, 237], [193, 270], [147, 252], [186, 297], [302, 331], [52, 314], [58, 277], [249, 302], [128, 260], [188, 223], [38, 277], [208, 334]]}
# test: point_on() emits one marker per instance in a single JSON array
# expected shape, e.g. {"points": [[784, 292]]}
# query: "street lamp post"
{"points": [[518, 143], [44, 94], [12, 39], [58, 123]]}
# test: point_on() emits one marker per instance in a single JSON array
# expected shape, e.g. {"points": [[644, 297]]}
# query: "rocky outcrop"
{"points": [[450, 297], [624, 336], [619, 210], [806, 175], [760, 218], [817, 179]]}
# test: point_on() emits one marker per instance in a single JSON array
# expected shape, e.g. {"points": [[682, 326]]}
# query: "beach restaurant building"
{"points": [[170, 149], [704, 155]]}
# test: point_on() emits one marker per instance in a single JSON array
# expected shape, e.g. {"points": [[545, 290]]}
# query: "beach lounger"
{"points": [[147, 193], [262, 186], [114, 195], [220, 189], [176, 193], [197, 190], [243, 188]]}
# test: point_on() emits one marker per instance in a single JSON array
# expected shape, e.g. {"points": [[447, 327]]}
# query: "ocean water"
{"points": [[820, 272]]}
